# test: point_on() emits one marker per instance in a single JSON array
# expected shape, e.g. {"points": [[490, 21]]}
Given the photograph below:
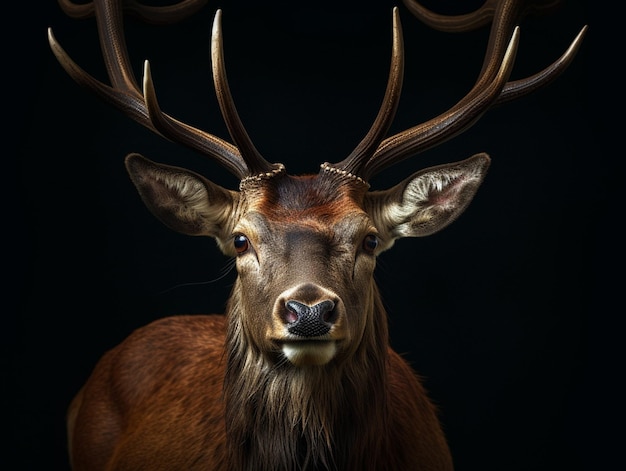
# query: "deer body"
{"points": [[298, 373], [173, 417]]}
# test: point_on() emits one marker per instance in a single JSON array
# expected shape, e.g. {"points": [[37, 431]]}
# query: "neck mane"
{"points": [[329, 417]]}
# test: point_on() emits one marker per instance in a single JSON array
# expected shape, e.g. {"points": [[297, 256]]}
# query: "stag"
{"points": [[298, 373]]}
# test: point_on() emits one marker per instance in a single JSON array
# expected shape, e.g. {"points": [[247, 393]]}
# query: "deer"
{"points": [[298, 373]]}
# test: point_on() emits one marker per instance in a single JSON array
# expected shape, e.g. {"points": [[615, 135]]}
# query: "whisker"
{"points": [[225, 271]]}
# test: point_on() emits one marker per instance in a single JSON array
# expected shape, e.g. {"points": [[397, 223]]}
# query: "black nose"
{"points": [[310, 321]]}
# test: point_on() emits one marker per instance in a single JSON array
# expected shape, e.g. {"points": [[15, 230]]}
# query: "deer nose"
{"points": [[309, 321]]}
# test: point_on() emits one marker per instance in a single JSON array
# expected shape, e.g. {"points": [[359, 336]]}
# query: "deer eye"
{"points": [[241, 243], [370, 243]]}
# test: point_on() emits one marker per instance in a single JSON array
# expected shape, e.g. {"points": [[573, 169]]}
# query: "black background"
{"points": [[505, 313]]}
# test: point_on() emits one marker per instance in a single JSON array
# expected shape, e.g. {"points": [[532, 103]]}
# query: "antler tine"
{"points": [[454, 23], [255, 162], [357, 158], [164, 14], [479, 17], [243, 160], [149, 14], [78, 11], [126, 95], [446, 125], [229, 155], [128, 101], [518, 88]]}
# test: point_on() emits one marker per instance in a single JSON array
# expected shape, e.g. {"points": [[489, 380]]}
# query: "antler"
{"points": [[491, 87], [505, 14], [141, 105], [482, 16]]}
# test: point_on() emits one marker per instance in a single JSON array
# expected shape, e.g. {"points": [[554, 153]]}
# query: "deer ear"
{"points": [[428, 200], [181, 199]]}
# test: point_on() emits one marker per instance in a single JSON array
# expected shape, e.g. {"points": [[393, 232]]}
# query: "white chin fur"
{"points": [[309, 352]]}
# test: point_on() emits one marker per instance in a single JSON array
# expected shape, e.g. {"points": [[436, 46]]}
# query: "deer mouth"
{"points": [[309, 352]]}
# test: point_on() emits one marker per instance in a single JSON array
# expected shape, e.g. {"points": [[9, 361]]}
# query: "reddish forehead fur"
{"points": [[311, 197]]}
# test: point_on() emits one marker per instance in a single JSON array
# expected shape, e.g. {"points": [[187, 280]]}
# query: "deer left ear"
{"points": [[183, 200], [427, 201]]}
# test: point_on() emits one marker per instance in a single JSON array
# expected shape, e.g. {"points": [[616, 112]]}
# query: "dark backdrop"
{"points": [[501, 312]]}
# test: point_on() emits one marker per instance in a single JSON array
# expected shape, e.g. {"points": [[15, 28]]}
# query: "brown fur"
{"points": [[217, 392], [156, 402]]}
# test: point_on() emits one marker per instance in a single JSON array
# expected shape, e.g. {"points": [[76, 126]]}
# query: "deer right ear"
{"points": [[427, 201], [183, 200]]}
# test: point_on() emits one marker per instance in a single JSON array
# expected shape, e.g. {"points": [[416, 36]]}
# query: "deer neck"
{"points": [[279, 416]]}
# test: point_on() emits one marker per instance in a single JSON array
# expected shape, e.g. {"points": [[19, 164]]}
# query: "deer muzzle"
{"points": [[308, 322]]}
